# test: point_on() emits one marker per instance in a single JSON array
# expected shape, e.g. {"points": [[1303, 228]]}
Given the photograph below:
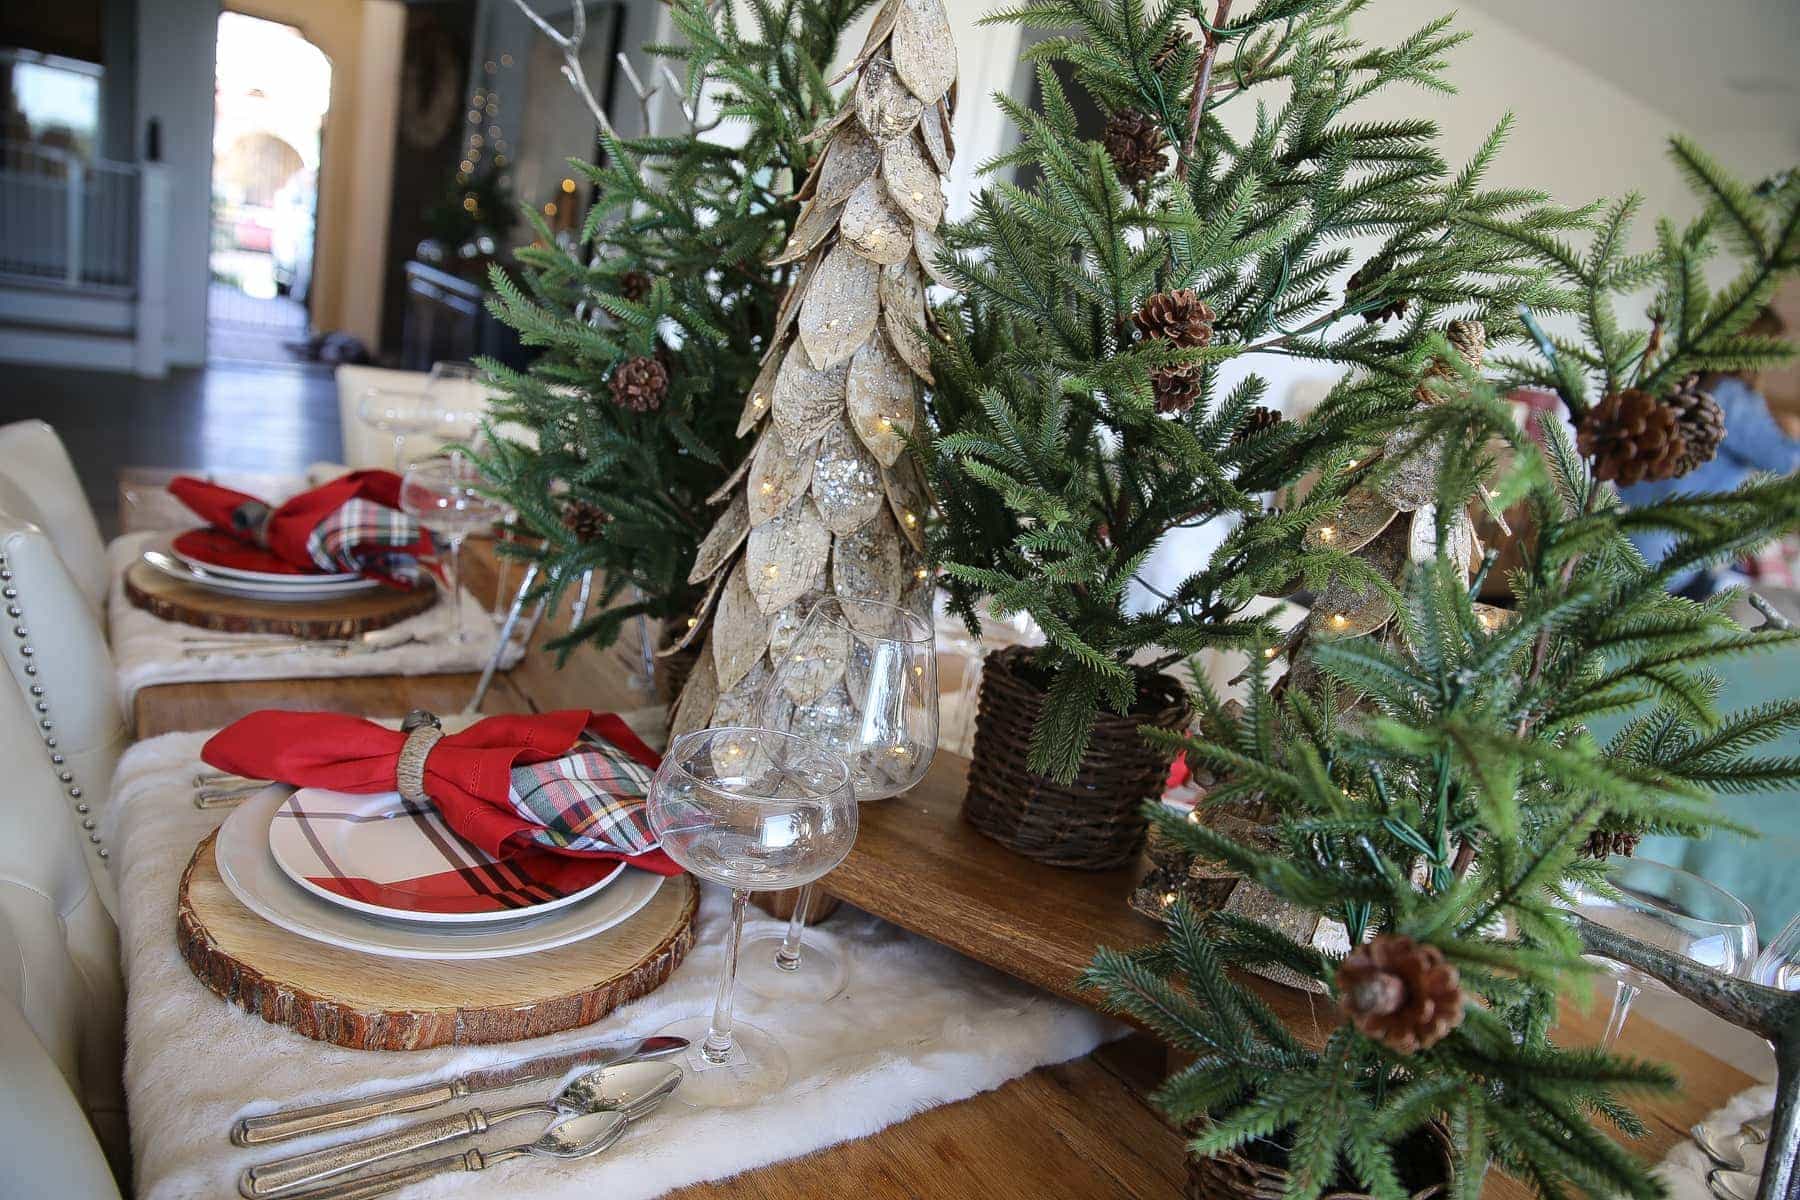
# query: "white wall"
{"points": [[175, 43]]}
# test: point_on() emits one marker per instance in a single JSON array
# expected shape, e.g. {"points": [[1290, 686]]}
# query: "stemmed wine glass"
{"points": [[753, 810], [1668, 908], [1778, 967], [399, 413], [859, 679], [445, 496], [458, 398]]}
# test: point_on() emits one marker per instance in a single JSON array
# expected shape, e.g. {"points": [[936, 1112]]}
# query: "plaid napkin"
{"points": [[353, 523], [554, 799]]}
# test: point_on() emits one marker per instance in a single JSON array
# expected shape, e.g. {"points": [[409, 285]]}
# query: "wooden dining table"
{"points": [[1082, 1129]]}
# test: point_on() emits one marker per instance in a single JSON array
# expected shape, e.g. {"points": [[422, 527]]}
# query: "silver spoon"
{"points": [[1733, 1185], [577, 1137], [631, 1088], [1724, 1153]]}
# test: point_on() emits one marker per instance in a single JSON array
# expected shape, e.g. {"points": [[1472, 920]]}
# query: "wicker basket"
{"points": [[1426, 1168], [1094, 822]]}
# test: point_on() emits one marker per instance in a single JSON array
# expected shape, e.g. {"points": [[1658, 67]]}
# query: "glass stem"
{"points": [[1623, 995], [456, 584], [787, 957], [717, 1046]]}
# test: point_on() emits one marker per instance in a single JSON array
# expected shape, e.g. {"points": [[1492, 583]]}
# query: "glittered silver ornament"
{"points": [[741, 704], [785, 624], [700, 696], [874, 226], [851, 158], [813, 662], [789, 310], [1363, 514], [931, 128], [723, 492], [928, 246], [846, 481], [1345, 610], [762, 391], [816, 222], [696, 622], [906, 494]]}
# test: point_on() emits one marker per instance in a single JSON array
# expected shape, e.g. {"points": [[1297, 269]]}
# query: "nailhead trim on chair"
{"points": [[27, 651]]}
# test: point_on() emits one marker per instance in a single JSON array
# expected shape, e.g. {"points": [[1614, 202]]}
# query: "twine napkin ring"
{"points": [[423, 731]]}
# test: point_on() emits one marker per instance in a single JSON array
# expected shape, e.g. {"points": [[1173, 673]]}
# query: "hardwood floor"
{"points": [[275, 419]]}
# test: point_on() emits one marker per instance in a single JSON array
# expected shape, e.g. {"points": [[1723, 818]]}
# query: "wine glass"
{"points": [[399, 413], [751, 809], [459, 397], [1778, 967], [1668, 908], [444, 495], [859, 679]]}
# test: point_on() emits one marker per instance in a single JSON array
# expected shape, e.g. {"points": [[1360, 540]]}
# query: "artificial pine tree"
{"points": [[1079, 415], [1448, 823], [831, 501], [666, 305]]}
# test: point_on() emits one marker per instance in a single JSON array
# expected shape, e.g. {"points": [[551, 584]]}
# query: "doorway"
{"points": [[271, 95]]}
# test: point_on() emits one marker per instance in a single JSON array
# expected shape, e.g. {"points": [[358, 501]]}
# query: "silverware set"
{"points": [[217, 789], [250, 645], [592, 1112], [1737, 1171]]}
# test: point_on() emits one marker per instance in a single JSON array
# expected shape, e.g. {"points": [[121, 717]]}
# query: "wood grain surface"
{"points": [[1072, 1131], [366, 1002], [321, 620]]}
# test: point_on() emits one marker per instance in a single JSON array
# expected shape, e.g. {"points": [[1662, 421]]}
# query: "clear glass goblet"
{"points": [[859, 679], [752, 810], [445, 496], [458, 397], [401, 414], [1666, 907]]}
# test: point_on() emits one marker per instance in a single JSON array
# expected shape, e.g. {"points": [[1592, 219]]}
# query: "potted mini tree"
{"points": [[1080, 412], [1448, 817]]}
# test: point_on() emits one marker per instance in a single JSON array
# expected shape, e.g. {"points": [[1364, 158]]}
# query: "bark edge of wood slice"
{"points": [[366, 1002], [321, 620]]}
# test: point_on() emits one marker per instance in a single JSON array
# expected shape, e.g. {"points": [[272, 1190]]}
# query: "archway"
{"points": [[271, 93]]}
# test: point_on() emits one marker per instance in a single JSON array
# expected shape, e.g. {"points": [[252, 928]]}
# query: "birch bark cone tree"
{"points": [[831, 501]]}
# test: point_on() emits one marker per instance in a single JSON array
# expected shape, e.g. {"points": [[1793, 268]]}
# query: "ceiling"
{"points": [[1714, 67]]}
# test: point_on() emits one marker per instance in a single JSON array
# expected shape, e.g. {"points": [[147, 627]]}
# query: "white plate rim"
{"points": [[421, 918], [264, 591], [248, 576], [245, 833]]}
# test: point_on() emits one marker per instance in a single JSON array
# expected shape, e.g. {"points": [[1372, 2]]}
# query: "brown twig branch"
{"points": [[1209, 52]]}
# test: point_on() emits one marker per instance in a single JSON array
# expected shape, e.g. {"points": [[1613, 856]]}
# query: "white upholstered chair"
{"points": [[59, 948], [38, 484], [64, 691], [47, 1146]]}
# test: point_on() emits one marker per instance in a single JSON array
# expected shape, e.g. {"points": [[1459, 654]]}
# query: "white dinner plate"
{"points": [[250, 873], [162, 558], [382, 844], [277, 578]]}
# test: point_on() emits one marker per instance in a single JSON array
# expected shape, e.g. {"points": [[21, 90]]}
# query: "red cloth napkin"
{"points": [[353, 523], [496, 783]]}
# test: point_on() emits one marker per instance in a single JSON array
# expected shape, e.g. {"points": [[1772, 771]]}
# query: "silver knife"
{"points": [[317, 1118]]}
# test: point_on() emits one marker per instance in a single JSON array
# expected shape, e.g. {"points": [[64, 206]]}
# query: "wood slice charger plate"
{"points": [[322, 620], [366, 1002]]}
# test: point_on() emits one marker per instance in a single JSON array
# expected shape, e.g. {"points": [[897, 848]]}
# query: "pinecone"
{"points": [[1259, 421], [1632, 436], [1400, 992], [634, 285], [1470, 340], [1177, 388], [1170, 48], [1179, 317], [585, 521], [1702, 424], [1366, 277], [640, 384], [1135, 143], [1603, 842]]}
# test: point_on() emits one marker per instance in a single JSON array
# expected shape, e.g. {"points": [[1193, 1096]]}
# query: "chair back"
{"points": [[59, 949], [38, 483], [64, 689], [47, 1148]]}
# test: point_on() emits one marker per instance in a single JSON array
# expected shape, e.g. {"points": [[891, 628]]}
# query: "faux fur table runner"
{"points": [[918, 1026]]}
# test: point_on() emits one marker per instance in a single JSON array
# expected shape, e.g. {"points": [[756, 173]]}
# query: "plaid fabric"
{"points": [[589, 800], [362, 535], [421, 864]]}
